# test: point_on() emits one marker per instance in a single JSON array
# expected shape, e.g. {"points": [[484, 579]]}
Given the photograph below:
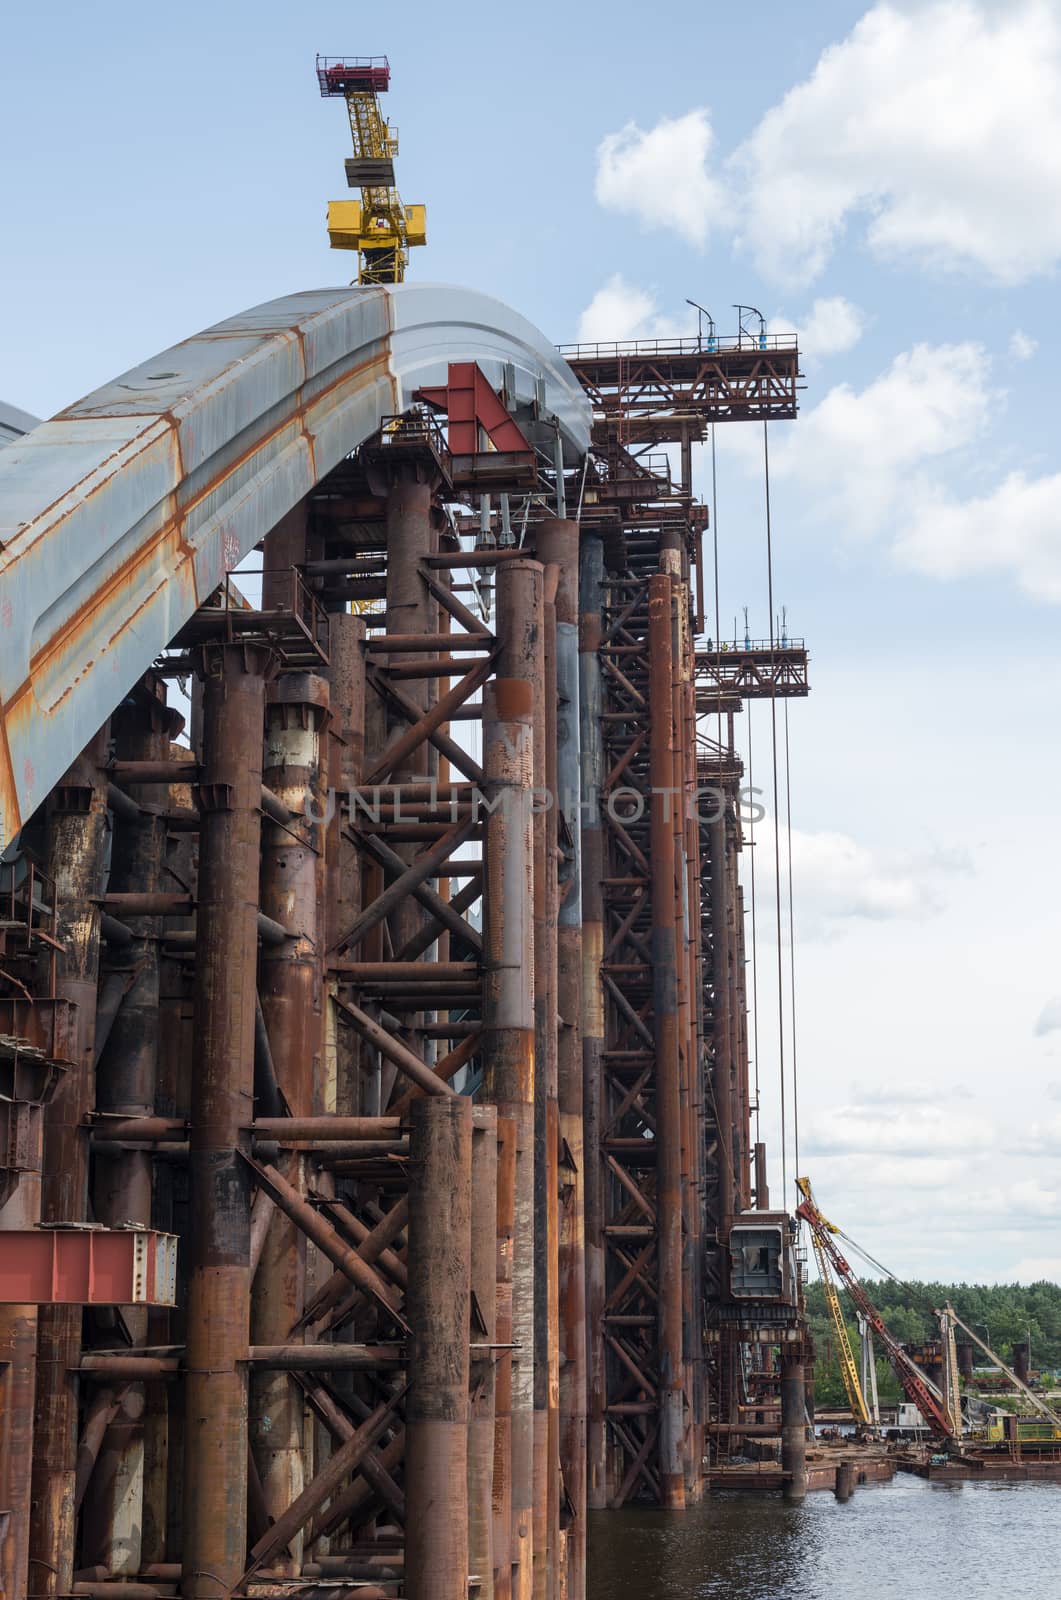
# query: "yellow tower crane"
{"points": [[848, 1371], [378, 226]]}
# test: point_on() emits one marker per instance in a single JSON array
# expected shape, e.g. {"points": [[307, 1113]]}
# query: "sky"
{"points": [[886, 181]]}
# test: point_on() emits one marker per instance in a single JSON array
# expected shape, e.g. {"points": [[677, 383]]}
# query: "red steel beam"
{"points": [[90, 1267]]}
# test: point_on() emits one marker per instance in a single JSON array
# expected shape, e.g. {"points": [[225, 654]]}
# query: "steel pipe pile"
{"points": [[404, 989]]}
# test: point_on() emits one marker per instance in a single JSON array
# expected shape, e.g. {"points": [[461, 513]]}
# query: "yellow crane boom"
{"points": [[848, 1370], [378, 226]]}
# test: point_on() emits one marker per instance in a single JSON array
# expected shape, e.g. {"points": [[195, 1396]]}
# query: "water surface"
{"points": [[907, 1540]]}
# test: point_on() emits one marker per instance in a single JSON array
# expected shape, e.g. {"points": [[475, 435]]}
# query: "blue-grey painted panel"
{"points": [[121, 514]]}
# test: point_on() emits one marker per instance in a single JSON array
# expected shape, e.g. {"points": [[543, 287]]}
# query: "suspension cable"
{"points": [[791, 950], [777, 815], [755, 938], [714, 546], [917, 1297]]}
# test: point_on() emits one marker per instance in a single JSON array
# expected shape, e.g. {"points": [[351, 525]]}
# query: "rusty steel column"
{"points": [[20, 1207], [284, 548], [668, 1066], [698, 1397], [77, 834], [291, 996], [686, 933], [508, 995], [740, 1007], [411, 609], [762, 1187], [113, 1509], [501, 1496], [591, 748], [738, 1079], [222, 1089], [484, 1267], [558, 544], [346, 675], [793, 1423], [436, 1413], [723, 1065], [546, 1114]]}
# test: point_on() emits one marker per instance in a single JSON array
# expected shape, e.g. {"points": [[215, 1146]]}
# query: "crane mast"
{"points": [[951, 1388], [378, 226], [848, 1371], [868, 1379], [914, 1386], [952, 1319]]}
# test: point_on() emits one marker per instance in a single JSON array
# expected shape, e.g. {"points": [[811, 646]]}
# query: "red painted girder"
{"points": [[88, 1266], [470, 404]]}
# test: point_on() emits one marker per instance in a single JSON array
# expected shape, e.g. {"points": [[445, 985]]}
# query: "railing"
{"points": [[27, 905], [655, 464], [338, 74], [416, 426], [739, 647], [706, 345], [298, 600]]}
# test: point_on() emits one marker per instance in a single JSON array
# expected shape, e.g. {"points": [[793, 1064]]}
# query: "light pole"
{"points": [[744, 315], [701, 313]]}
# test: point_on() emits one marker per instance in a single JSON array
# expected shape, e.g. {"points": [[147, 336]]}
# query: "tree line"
{"points": [[1004, 1314]]}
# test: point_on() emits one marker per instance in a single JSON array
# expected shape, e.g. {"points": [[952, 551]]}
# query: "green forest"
{"points": [[1003, 1314]]}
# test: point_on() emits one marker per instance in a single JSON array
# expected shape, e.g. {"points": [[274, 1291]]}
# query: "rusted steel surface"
{"points": [[215, 1494], [326, 1238], [483, 1281], [371, 1468], [18, 1365], [77, 840], [665, 1011], [501, 1499], [436, 1413], [332, 919], [723, 1063], [793, 1424], [323, 1486], [557, 543], [291, 988], [592, 776], [508, 997], [542, 671], [123, 513], [126, 1086], [308, 1130]]}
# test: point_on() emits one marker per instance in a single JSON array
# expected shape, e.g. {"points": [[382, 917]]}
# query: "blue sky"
{"points": [[886, 179]]}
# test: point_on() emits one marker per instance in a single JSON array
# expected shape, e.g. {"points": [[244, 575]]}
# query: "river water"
{"points": [[904, 1540]]}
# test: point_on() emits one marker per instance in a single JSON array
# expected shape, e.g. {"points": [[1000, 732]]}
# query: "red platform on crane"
{"points": [[364, 74]]}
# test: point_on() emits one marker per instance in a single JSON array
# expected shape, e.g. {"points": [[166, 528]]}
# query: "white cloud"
{"points": [[661, 176], [1042, 1139], [621, 310], [830, 328], [938, 127], [1021, 346], [840, 878], [872, 461], [837, 880], [1049, 1021], [911, 1130], [856, 453], [1013, 530], [1035, 1269], [942, 126], [900, 1092]]}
